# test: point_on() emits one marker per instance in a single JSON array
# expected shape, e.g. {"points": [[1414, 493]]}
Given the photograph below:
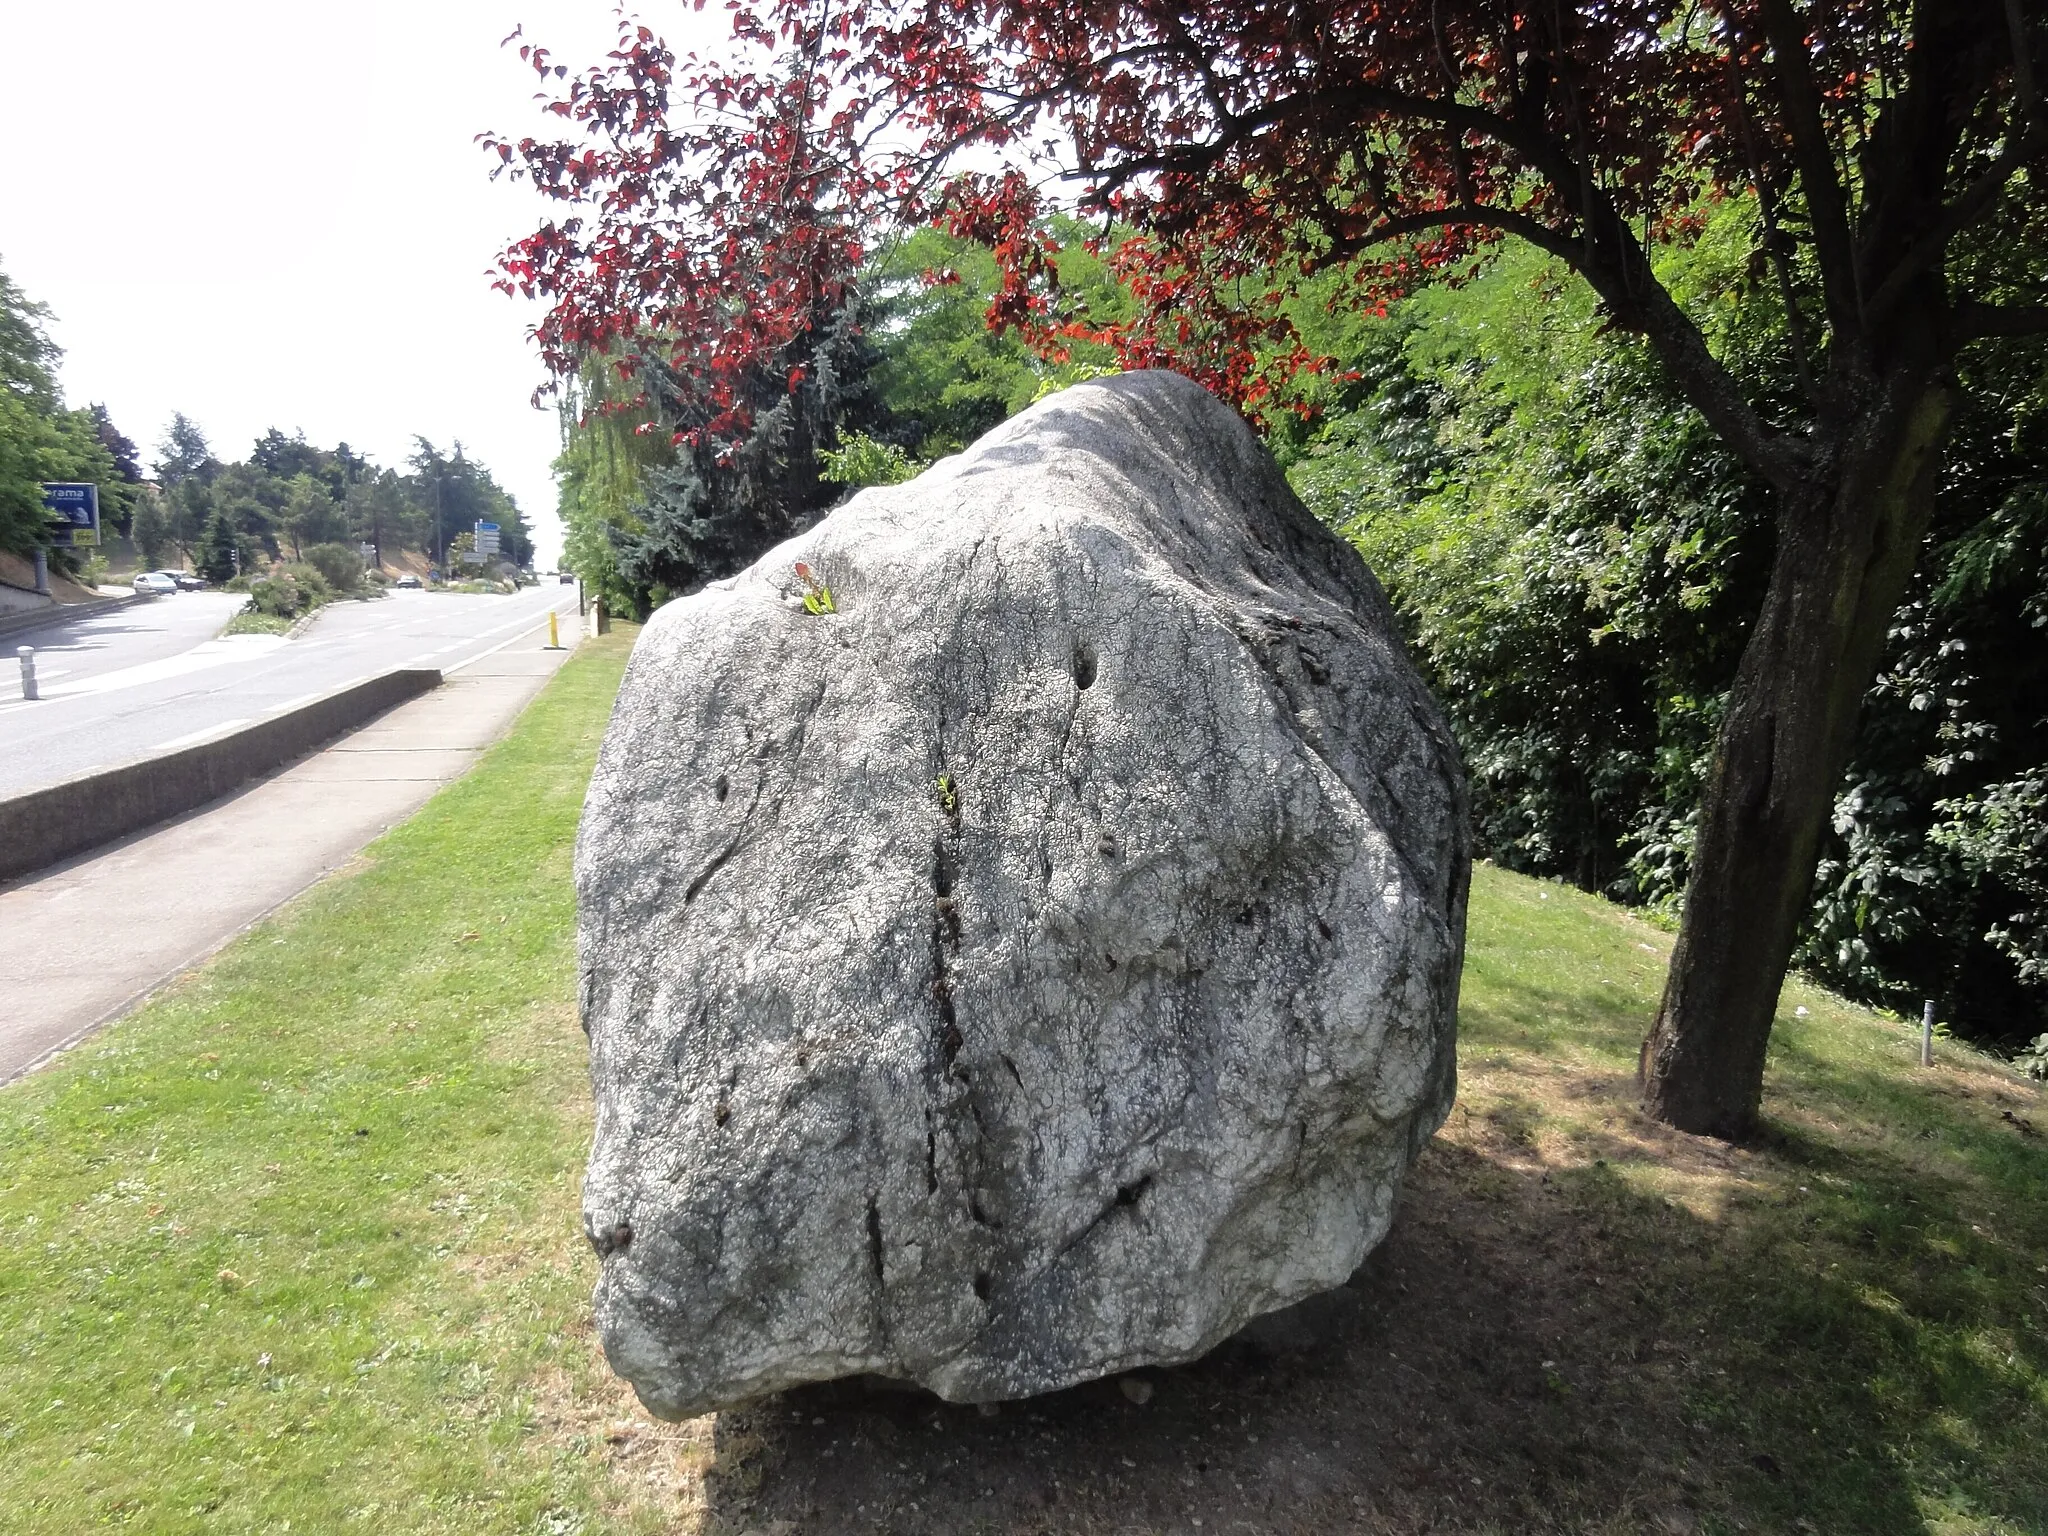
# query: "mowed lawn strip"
{"points": [[298, 1244]]}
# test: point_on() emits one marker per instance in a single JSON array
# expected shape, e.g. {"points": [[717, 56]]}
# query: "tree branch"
{"points": [[1648, 308], [1605, 251], [1833, 246], [2022, 61], [1775, 241], [1506, 220], [1968, 207]]}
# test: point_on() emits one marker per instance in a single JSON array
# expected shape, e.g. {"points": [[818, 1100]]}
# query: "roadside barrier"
{"points": [[45, 825]]}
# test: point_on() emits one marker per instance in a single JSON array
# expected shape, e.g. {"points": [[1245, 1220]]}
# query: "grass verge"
{"points": [[250, 622], [295, 1247]]}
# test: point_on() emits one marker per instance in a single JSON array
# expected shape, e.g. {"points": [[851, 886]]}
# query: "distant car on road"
{"points": [[408, 580], [568, 578], [154, 582], [186, 581]]}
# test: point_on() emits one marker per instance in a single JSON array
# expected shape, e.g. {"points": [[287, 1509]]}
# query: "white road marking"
{"points": [[197, 737], [213, 653], [480, 655]]}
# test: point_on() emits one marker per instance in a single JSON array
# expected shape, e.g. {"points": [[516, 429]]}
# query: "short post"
{"points": [[1927, 1034], [43, 572], [554, 635], [27, 653]]}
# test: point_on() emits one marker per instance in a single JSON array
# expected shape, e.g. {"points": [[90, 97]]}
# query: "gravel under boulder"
{"points": [[1035, 968]]}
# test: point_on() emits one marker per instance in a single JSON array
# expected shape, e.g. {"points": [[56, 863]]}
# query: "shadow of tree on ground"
{"points": [[1581, 1322], [1526, 1352]]}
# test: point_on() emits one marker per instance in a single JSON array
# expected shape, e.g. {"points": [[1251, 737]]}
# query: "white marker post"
{"points": [[27, 653], [1927, 1034]]}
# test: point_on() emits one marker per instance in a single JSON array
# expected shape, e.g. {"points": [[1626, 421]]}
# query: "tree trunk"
{"points": [[1845, 551]]}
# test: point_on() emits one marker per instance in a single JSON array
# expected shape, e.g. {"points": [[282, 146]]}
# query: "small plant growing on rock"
{"points": [[817, 596]]}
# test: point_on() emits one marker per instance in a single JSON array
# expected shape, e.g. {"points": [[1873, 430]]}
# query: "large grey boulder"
{"points": [[1036, 968]]}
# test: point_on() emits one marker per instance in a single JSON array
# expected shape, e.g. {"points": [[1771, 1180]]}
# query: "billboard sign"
{"points": [[74, 513]]}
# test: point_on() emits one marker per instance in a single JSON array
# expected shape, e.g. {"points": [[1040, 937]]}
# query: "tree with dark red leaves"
{"points": [[1892, 150]]}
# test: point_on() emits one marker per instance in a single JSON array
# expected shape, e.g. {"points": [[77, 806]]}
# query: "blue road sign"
{"points": [[74, 511]]}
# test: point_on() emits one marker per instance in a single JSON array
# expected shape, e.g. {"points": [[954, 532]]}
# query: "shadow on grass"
{"points": [[1531, 1350], [1581, 1322]]}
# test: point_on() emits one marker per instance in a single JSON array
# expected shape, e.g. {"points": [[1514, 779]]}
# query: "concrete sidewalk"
{"points": [[85, 941]]}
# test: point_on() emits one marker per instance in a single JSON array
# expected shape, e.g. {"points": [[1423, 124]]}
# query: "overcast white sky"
{"points": [[267, 214]]}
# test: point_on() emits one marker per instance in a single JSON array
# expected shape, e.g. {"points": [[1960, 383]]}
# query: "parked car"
{"points": [[407, 580], [185, 580], [155, 582]]}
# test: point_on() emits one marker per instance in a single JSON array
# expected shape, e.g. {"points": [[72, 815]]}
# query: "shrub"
{"points": [[861, 460], [338, 564], [295, 590], [276, 597]]}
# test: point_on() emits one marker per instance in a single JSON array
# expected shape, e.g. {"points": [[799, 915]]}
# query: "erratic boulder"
{"points": [[1039, 966]]}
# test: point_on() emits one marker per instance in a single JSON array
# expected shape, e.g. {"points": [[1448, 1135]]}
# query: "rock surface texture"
{"points": [[1036, 968]]}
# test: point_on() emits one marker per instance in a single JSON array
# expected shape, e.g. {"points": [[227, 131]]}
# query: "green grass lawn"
{"points": [[296, 1247]]}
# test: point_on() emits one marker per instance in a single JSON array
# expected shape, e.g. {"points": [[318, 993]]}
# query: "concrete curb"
{"points": [[45, 825], [58, 613]]}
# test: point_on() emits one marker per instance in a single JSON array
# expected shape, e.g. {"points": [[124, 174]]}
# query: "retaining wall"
{"points": [[45, 825]]}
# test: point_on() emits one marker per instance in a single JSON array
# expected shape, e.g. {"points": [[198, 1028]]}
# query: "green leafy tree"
{"points": [[943, 375], [151, 528], [253, 501], [861, 460], [610, 440], [379, 514], [457, 492], [39, 438], [188, 508], [311, 515], [183, 453], [120, 493], [1578, 564], [219, 550], [286, 458]]}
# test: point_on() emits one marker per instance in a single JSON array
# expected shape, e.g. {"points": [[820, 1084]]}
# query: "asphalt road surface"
{"points": [[152, 678]]}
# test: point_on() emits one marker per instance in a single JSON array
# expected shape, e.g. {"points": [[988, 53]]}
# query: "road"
{"points": [[151, 678]]}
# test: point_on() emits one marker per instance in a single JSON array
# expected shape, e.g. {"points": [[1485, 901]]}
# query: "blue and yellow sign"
{"points": [[74, 511]]}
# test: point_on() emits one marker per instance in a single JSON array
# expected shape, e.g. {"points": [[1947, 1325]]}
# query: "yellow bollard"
{"points": [[554, 639]]}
